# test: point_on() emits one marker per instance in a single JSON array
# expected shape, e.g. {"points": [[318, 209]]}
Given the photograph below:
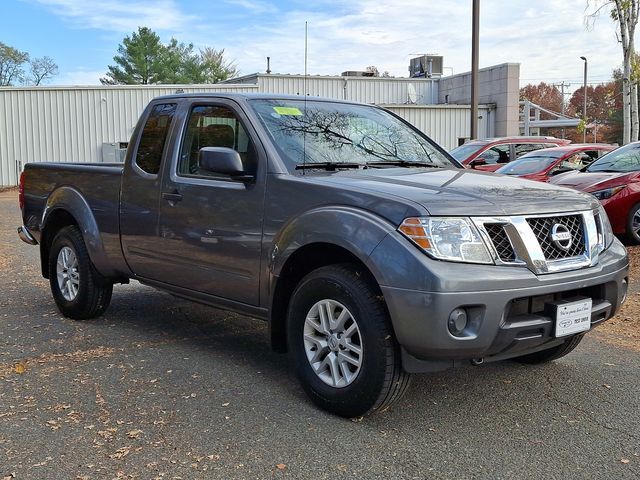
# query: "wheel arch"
{"points": [[66, 206], [302, 262]]}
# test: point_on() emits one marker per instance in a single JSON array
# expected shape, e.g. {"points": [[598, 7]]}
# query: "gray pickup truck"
{"points": [[368, 249]]}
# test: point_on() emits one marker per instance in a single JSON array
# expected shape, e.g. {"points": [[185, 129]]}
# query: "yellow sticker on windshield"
{"points": [[287, 110]]}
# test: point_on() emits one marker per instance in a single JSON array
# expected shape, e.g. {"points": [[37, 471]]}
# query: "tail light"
{"points": [[21, 192]]}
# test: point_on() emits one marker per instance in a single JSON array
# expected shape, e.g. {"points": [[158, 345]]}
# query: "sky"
{"points": [[546, 37]]}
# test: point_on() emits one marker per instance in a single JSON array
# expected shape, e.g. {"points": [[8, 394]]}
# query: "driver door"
{"points": [[211, 225]]}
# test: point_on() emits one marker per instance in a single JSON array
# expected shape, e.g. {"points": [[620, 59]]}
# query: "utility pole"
{"points": [[475, 40], [584, 108], [563, 105]]}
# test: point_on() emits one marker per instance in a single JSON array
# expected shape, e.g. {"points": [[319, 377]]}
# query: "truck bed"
{"points": [[97, 184]]}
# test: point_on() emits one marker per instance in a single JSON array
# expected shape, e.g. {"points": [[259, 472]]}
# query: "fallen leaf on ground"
{"points": [[20, 368], [121, 453], [624, 460], [134, 433], [281, 466]]}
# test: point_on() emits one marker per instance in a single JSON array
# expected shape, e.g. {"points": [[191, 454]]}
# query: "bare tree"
{"points": [[625, 13], [42, 69]]}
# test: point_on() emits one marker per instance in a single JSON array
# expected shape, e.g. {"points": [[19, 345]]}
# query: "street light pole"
{"points": [[475, 40], [584, 107]]}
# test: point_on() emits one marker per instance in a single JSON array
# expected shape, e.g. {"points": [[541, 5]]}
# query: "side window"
{"points": [[213, 126], [497, 154], [522, 148], [154, 136]]}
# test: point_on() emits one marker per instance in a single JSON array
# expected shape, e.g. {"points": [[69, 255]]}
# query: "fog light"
{"points": [[458, 320]]}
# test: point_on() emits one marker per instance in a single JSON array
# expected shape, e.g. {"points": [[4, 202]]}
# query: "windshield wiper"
{"points": [[328, 165], [401, 163]]}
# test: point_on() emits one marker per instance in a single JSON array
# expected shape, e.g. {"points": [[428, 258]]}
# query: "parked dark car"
{"points": [[614, 180], [368, 249], [489, 154], [543, 164]]}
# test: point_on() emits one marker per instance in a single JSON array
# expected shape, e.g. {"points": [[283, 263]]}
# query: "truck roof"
{"points": [[250, 96]]}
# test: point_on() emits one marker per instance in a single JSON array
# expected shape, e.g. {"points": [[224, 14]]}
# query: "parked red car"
{"points": [[541, 165], [614, 179], [490, 153]]}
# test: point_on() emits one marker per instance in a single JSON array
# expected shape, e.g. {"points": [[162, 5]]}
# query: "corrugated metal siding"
{"points": [[356, 89], [70, 124], [445, 124]]}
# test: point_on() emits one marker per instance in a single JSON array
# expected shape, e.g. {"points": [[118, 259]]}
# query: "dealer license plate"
{"points": [[573, 317]]}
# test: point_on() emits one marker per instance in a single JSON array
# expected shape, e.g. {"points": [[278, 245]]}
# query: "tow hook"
{"points": [[477, 361]]}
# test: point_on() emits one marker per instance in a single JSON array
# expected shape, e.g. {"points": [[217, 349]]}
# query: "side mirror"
{"points": [[558, 171], [224, 161], [477, 161]]}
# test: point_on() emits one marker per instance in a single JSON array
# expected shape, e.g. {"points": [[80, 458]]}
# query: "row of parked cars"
{"points": [[609, 173]]}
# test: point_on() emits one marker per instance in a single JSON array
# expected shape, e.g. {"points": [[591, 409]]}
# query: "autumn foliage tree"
{"points": [[545, 95]]}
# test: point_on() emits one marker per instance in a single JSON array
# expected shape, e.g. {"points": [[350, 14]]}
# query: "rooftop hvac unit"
{"points": [[427, 66], [357, 73]]}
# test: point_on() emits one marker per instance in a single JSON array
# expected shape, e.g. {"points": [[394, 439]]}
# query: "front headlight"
{"points": [[605, 232], [447, 238], [607, 192]]}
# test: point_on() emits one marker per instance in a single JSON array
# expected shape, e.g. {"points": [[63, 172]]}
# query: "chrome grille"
{"points": [[541, 227], [500, 241]]}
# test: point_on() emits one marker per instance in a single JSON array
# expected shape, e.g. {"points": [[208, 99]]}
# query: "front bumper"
{"points": [[506, 322]]}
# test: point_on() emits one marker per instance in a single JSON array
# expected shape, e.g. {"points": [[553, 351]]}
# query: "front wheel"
{"points": [[633, 225], [79, 291], [342, 344]]}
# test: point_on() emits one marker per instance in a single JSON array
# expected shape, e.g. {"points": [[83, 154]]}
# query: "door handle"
{"points": [[172, 197]]}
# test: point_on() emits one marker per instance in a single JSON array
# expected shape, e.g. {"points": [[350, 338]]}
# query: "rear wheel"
{"points": [[551, 353], [341, 342], [633, 225], [79, 291]]}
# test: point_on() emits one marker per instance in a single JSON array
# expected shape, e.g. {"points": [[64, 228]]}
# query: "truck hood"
{"points": [[464, 192]]}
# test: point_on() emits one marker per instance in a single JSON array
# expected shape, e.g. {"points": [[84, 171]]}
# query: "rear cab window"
{"points": [[153, 138]]}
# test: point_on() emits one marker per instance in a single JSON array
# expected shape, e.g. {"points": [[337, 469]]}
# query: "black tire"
{"points": [[632, 236], [380, 380], [93, 290], [551, 354]]}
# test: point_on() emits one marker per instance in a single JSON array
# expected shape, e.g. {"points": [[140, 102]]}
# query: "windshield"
{"points": [[314, 132], [624, 159], [463, 152], [530, 163]]}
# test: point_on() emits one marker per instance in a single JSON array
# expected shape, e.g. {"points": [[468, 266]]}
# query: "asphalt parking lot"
{"points": [[162, 388]]}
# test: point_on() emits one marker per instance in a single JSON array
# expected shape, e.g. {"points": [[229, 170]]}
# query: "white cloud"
{"points": [[546, 39], [255, 6], [120, 16], [79, 77], [345, 35]]}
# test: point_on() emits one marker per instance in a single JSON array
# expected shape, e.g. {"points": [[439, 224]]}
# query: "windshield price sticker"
{"points": [[573, 318], [287, 111]]}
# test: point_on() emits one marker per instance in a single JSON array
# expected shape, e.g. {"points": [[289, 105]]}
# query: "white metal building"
{"points": [[90, 124]]}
